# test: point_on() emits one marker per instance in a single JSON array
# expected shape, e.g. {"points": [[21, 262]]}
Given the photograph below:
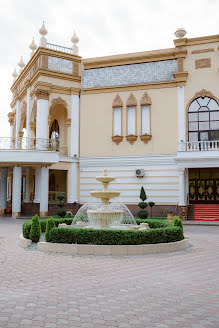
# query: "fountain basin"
{"points": [[103, 218], [105, 179], [104, 194]]}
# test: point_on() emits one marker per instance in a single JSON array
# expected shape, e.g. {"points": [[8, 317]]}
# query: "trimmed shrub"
{"points": [[61, 212], [115, 237], [35, 231], [177, 222], [155, 223], [151, 204], [143, 214], [27, 225], [49, 225]]}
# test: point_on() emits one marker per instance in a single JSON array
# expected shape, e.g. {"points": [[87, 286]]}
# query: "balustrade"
{"points": [[198, 145]]}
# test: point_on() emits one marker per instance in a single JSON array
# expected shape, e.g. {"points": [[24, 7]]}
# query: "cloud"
{"points": [[105, 27]]}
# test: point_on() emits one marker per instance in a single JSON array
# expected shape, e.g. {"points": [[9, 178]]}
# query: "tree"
{"points": [[61, 212], [143, 214], [151, 204], [35, 231]]}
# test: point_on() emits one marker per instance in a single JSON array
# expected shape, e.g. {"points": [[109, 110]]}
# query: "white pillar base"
{"points": [[16, 195], [73, 183], [44, 190]]}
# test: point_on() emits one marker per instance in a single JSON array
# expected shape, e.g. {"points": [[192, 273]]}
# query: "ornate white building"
{"points": [[151, 118]]}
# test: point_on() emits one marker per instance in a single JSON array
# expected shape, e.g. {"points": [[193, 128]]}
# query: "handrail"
{"points": [[57, 47], [209, 145], [38, 144]]}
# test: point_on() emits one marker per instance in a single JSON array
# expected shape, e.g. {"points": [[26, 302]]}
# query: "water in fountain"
{"points": [[84, 219], [104, 215]]}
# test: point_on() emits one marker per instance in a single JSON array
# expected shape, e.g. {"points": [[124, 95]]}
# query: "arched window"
{"points": [[54, 131], [203, 119]]}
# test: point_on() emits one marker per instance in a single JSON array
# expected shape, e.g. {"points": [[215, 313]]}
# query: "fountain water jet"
{"points": [[103, 215]]}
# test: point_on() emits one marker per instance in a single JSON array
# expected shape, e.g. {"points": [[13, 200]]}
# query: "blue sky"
{"points": [[104, 27]]}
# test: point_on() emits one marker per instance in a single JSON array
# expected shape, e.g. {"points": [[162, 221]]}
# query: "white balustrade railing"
{"points": [[198, 145], [56, 47], [28, 144]]}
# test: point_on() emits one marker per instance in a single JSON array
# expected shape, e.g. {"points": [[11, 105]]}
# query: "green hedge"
{"points": [[27, 225], [115, 237]]}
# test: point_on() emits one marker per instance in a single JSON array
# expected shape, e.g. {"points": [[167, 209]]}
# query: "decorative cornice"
{"points": [[180, 77], [145, 138], [202, 51], [58, 101], [42, 94], [131, 138], [117, 102], [196, 41], [131, 101], [117, 139], [145, 99]]}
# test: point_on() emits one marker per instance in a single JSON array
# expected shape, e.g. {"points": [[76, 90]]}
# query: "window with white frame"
{"points": [[131, 120], [145, 119], [117, 121]]}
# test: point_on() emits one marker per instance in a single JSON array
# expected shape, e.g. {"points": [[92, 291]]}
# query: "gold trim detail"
{"points": [[180, 77], [43, 214], [131, 138], [202, 51], [42, 94], [11, 118], [58, 101], [44, 61], [203, 63], [117, 102], [131, 101], [196, 41], [145, 138], [75, 70], [117, 139], [204, 93], [145, 99], [68, 122], [180, 64]]}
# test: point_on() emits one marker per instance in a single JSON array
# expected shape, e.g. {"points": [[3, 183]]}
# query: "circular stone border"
{"points": [[85, 249]]}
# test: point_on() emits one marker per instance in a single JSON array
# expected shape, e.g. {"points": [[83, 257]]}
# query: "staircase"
{"points": [[206, 213]]}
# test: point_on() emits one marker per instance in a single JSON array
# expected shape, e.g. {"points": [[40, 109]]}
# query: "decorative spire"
{"points": [[15, 74], [43, 31], [180, 33], [21, 64], [32, 47], [75, 40]]}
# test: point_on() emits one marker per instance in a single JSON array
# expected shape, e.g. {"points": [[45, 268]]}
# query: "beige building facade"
{"points": [[150, 118]]}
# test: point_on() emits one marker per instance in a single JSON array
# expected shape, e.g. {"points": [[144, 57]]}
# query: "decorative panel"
{"points": [[60, 65]]}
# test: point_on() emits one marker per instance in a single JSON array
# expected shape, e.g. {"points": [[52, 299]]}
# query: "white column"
{"points": [[44, 191], [3, 190], [27, 186], [18, 119], [181, 115], [16, 193], [73, 183], [182, 187], [42, 119], [74, 144], [28, 117], [37, 186]]}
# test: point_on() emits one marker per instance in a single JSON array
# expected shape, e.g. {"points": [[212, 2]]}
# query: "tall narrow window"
{"points": [[131, 104], [146, 118], [131, 120], [117, 120]]}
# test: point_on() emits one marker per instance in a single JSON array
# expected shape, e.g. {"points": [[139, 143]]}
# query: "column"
{"points": [[181, 116], [3, 190], [182, 189], [27, 186], [42, 119], [44, 191], [74, 149], [37, 185], [16, 193], [28, 136], [18, 118], [73, 183], [74, 144]]}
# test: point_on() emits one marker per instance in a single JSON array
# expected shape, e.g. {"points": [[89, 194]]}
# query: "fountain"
{"points": [[104, 215]]}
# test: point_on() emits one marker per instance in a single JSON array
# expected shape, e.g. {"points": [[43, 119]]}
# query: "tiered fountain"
{"points": [[104, 215]]}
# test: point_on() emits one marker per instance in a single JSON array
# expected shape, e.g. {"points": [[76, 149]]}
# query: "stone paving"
{"points": [[155, 291]]}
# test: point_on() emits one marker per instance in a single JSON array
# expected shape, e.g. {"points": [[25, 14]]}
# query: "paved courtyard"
{"points": [[151, 291]]}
